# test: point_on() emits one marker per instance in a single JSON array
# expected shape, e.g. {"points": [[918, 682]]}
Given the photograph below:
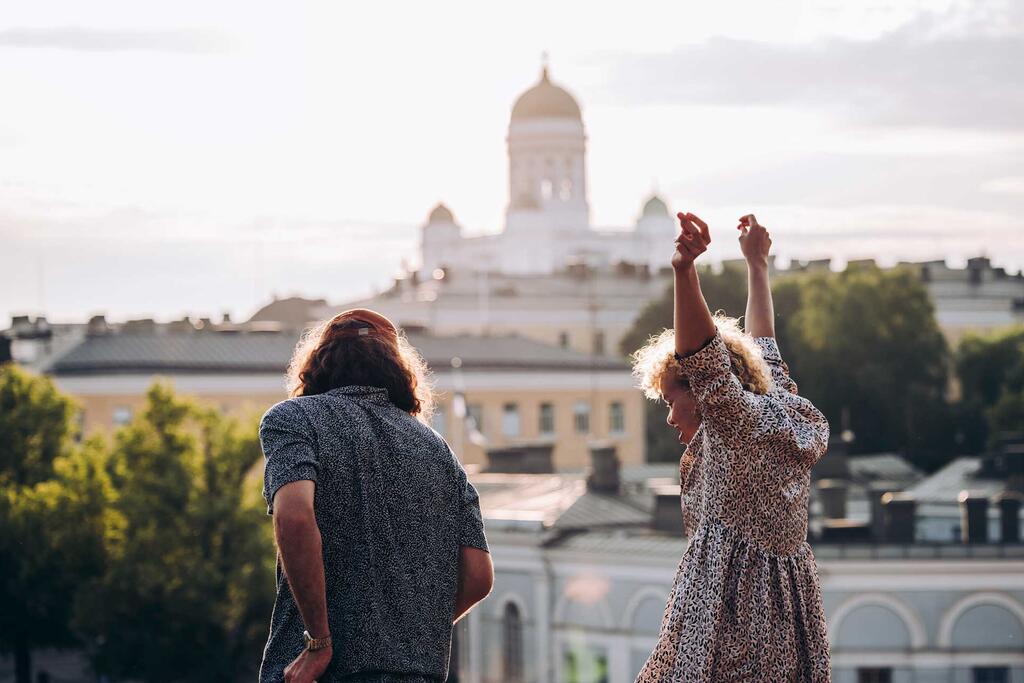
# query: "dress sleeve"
{"points": [[288, 445], [780, 371], [787, 423]]}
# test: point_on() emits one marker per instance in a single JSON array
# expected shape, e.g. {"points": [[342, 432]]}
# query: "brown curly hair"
{"points": [[360, 347]]}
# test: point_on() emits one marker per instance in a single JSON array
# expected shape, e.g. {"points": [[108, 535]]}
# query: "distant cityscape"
{"points": [[923, 574]]}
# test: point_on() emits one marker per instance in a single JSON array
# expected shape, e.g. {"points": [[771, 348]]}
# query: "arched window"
{"points": [[512, 644]]}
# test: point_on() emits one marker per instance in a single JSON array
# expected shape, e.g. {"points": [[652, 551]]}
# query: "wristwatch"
{"points": [[314, 644]]}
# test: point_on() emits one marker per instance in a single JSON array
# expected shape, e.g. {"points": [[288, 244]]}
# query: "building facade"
{"points": [[497, 391], [584, 570]]}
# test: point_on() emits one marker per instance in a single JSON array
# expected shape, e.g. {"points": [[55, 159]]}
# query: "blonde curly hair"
{"points": [[656, 358]]}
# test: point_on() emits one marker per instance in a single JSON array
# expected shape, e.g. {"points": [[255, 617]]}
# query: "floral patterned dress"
{"points": [[745, 603]]}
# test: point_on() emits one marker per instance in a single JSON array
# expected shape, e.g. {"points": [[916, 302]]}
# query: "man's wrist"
{"points": [[316, 644], [757, 264]]}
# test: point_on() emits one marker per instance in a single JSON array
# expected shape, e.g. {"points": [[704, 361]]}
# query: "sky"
{"points": [[197, 158]]}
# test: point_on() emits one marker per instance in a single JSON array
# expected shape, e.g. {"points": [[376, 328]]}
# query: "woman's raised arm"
{"points": [[755, 242], [692, 319]]}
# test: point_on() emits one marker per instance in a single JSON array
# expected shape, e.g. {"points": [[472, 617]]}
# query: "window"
{"points": [[990, 674], [599, 343], [475, 416], [512, 644], [79, 424], [581, 417], [439, 420], [874, 675], [616, 418], [546, 423], [122, 416], [563, 339], [510, 420]]}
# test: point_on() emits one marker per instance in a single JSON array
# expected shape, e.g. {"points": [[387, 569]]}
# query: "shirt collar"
{"points": [[373, 394]]}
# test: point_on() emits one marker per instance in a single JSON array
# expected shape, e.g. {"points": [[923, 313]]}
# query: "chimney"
{"points": [[900, 511], [604, 469], [668, 510], [973, 517], [832, 494], [521, 459], [1009, 503], [97, 325], [876, 490]]}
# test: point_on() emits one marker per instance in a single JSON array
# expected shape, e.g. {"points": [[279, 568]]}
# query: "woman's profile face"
{"points": [[683, 415]]}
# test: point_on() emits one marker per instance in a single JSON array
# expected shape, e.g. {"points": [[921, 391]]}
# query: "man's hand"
{"points": [[755, 242], [693, 241], [308, 666]]}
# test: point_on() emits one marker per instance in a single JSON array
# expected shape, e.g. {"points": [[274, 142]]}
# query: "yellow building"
{"points": [[515, 390]]}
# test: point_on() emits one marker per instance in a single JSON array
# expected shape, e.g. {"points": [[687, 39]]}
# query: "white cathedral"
{"points": [[547, 223]]}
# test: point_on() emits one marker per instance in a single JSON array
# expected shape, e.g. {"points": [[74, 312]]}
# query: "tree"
{"points": [[866, 349], [863, 345], [52, 501], [188, 587], [990, 369]]}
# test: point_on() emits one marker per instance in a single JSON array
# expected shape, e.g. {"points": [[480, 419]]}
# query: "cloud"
{"points": [[938, 70], [1008, 185], [184, 41]]}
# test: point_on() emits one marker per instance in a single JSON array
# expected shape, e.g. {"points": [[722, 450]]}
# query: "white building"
{"points": [[547, 222], [584, 567]]}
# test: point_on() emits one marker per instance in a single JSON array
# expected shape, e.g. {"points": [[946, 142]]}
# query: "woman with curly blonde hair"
{"points": [[745, 603], [380, 538]]}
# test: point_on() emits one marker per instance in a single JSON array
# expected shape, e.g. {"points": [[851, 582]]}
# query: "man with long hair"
{"points": [[380, 538]]}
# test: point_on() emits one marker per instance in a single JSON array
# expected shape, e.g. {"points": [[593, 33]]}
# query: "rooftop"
{"points": [[160, 350]]}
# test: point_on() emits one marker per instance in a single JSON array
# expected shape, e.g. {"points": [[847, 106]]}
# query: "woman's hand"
{"points": [[755, 242], [693, 241]]}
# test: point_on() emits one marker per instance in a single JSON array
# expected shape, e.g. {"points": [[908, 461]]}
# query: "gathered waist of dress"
{"points": [[713, 526]]}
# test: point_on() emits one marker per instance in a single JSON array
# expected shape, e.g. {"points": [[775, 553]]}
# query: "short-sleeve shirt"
{"points": [[394, 506]]}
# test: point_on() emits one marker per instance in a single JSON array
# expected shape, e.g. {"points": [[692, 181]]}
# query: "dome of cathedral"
{"points": [[655, 207], [441, 214], [546, 101]]}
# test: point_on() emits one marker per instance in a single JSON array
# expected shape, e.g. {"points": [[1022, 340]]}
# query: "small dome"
{"points": [[655, 207], [441, 214], [546, 101]]}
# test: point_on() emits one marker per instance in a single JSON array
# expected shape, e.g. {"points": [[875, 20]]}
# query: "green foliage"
{"points": [[866, 345], [863, 345], [36, 423], [188, 583], [52, 501], [990, 369]]}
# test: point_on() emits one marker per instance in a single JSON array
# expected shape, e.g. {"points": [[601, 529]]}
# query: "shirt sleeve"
{"points": [[788, 423], [780, 371], [287, 440], [471, 525]]}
